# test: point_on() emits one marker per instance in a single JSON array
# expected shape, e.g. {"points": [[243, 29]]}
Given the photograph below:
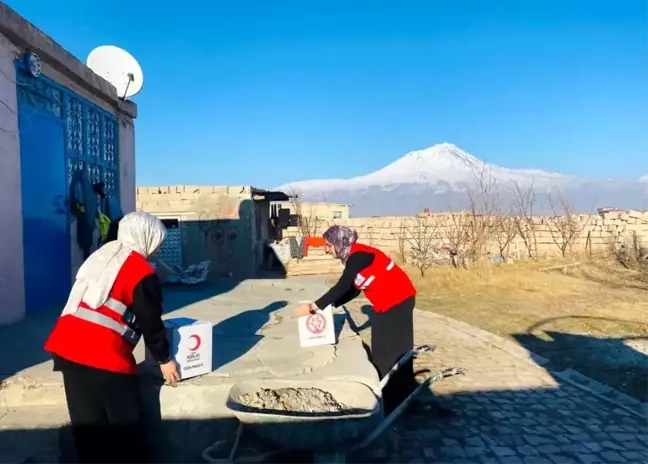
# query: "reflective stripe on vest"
{"points": [[117, 306], [363, 283], [96, 317]]}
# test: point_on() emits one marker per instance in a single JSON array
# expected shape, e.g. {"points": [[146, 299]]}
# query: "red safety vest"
{"points": [[383, 282], [103, 338]]}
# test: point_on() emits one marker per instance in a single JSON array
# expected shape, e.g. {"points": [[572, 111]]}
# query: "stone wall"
{"points": [[191, 202], [216, 224], [597, 233]]}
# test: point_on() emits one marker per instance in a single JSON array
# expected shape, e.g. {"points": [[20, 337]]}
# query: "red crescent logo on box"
{"points": [[197, 338], [316, 323]]}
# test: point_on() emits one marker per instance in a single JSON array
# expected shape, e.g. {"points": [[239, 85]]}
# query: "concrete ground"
{"points": [[255, 337], [511, 407]]}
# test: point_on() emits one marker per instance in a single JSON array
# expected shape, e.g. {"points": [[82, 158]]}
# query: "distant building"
{"points": [[320, 211], [62, 129]]}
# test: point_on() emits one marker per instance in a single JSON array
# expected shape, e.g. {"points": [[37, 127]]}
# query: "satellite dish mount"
{"points": [[131, 78]]}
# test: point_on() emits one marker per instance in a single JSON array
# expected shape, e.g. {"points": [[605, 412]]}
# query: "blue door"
{"points": [[46, 239]]}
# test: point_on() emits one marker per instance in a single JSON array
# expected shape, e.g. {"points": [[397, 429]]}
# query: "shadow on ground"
{"points": [[525, 425], [609, 360], [25, 339], [179, 296], [367, 311], [530, 425], [237, 335]]}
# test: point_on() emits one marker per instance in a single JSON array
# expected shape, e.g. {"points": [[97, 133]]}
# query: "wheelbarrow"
{"points": [[329, 436]]}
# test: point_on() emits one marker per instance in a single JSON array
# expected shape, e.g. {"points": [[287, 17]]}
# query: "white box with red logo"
{"points": [[317, 329], [190, 344]]}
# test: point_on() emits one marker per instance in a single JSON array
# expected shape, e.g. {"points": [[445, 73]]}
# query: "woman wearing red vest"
{"points": [[392, 295], [116, 298]]}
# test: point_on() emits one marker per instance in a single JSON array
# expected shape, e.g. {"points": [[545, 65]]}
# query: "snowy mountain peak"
{"points": [[437, 176], [441, 160], [443, 164], [443, 154]]}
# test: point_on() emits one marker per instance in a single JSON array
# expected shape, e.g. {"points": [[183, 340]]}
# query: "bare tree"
{"points": [[307, 220], [456, 234], [422, 235], [524, 202], [505, 230], [401, 241], [565, 226], [484, 207]]}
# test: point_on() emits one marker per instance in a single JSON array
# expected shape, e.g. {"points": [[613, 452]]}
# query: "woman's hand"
{"points": [[303, 309], [170, 372]]}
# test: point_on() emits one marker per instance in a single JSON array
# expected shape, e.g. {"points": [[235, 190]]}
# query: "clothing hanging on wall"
{"points": [[83, 207], [284, 218]]}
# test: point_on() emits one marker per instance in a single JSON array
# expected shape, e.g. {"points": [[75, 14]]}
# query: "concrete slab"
{"points": [[255, 337], [42, 443]]}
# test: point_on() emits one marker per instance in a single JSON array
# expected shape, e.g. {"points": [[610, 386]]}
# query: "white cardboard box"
{"points": [[317, 329], [190, 343]]}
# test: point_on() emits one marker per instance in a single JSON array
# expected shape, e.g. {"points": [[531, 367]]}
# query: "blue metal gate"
{"points": [[60, 133]]}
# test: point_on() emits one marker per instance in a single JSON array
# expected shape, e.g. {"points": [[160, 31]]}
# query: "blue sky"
{"points": [[265, 92]]}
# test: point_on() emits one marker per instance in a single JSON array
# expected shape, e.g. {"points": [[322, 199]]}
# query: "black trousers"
{"points": [[106, 414], [392, 335]]}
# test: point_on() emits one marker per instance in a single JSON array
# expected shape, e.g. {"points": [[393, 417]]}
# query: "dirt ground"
{"points": [[593, 318]]}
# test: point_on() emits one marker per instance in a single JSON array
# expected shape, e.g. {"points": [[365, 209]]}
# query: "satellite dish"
{"points": [[119, 68]]}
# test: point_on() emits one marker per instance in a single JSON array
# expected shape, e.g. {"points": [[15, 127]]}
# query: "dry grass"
{"points": [[613, 299], [583, 319]]}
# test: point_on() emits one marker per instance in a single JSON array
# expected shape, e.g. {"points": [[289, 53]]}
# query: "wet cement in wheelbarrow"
{"points": [[295, 400]]}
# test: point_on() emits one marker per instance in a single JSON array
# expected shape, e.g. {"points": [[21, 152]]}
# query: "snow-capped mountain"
{"points": [[440, 176]]}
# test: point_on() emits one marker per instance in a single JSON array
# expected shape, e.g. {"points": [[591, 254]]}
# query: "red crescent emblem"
{"points": [[197, 338], [316, 323]]}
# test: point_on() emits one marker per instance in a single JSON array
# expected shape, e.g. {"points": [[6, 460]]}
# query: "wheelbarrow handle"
{"points": [[402, 361], [396, 413]]}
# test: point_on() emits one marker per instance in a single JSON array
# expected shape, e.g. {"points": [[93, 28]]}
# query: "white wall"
{"points": [[127, 166], [12, 298]]}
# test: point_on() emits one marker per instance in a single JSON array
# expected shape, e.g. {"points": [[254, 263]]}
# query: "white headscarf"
{"points": [[138, 232]]}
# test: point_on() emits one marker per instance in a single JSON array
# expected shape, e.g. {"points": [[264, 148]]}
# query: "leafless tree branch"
{"points": [[564, 226], [526, 227]]}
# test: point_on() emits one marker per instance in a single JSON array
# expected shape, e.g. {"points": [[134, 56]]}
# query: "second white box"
{"points": [[317, 329]]}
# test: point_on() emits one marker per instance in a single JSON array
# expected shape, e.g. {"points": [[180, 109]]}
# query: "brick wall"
{"points": [[595, 233], [191, 202]]}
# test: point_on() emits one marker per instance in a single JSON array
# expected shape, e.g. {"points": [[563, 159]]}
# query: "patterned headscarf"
{"points": [[341, 238]]}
